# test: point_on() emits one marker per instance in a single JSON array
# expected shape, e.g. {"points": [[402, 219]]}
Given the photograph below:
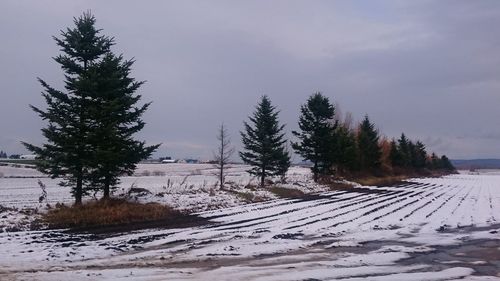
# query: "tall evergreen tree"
{"points": [[316, 136], [90, 123], [117, 117], [67, 154], [369, 149], [264, 143]]}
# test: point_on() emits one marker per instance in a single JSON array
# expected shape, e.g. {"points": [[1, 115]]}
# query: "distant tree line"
{"points": [[333, 146]]}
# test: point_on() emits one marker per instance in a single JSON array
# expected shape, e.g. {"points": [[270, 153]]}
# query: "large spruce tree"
{"points": [[117, 117], [67, 154], [264, 143], [90, 122], [317, 134], [369, 149]]}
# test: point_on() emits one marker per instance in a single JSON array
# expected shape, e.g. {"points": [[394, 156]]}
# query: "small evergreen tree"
{"points": [[395, 155], [446, 164], [434, 162], [369, 149], [264, 143], [412, 154], [346, 150], [404, 150], [420, 155], [316, 136]]}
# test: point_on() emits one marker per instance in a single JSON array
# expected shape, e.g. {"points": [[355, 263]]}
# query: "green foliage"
{"points": [[409, 155], [346, 150], [117, 118], [404, 149], [90, 124], [419, 155], [396, 156], [446, 164], [369, 149], [317, 134], [264, 143]]}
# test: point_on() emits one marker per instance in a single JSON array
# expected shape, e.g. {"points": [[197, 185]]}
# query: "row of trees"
{"points": [[332, 145], [3, 154], [91, 124], [407, 154]]}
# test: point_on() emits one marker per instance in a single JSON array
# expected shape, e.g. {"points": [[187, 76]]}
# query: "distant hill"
{"points": [[476, 164]]}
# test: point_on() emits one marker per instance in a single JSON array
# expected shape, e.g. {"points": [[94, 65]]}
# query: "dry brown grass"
{"points": [[381, 181], [286, 192], [106, 213], [339, 185]]}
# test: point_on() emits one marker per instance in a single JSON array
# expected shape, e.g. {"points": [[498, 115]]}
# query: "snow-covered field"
{"points": [[426, 229]]}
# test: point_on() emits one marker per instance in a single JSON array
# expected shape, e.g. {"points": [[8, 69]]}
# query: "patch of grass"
{"points": [[19, 161], [380, 181], [106, 213], [286, 192], [247, 196], [338, 185]]}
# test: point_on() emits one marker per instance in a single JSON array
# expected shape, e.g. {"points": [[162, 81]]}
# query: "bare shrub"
{"points": [[184, 180], [43, 187], [223, 154]]}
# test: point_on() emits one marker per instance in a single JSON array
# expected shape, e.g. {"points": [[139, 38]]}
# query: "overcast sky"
{"points": [[428, 68]]}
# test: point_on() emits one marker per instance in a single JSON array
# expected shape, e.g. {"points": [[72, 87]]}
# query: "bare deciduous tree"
{"points": [[223, 154]]}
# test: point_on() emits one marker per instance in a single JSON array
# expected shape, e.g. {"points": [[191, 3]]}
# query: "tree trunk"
{"points": [[263, 177], [79, 189], [315, 172], [106, 188], [221, 175]]}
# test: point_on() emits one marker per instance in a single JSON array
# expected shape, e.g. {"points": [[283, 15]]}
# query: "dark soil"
{"points": [[180, 221]]}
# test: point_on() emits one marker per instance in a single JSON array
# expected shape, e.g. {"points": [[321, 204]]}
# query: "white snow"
{"points": [[359, 234]]}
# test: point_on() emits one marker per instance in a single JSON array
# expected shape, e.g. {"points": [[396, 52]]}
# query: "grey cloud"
{"points": [[427, 68]]}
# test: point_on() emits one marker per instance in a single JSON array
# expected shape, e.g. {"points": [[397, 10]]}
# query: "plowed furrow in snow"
{"points": [[444, 203], [423, 205], [275, 215], [411, 193], [297, 214], [266, 205], [385, 202]]}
